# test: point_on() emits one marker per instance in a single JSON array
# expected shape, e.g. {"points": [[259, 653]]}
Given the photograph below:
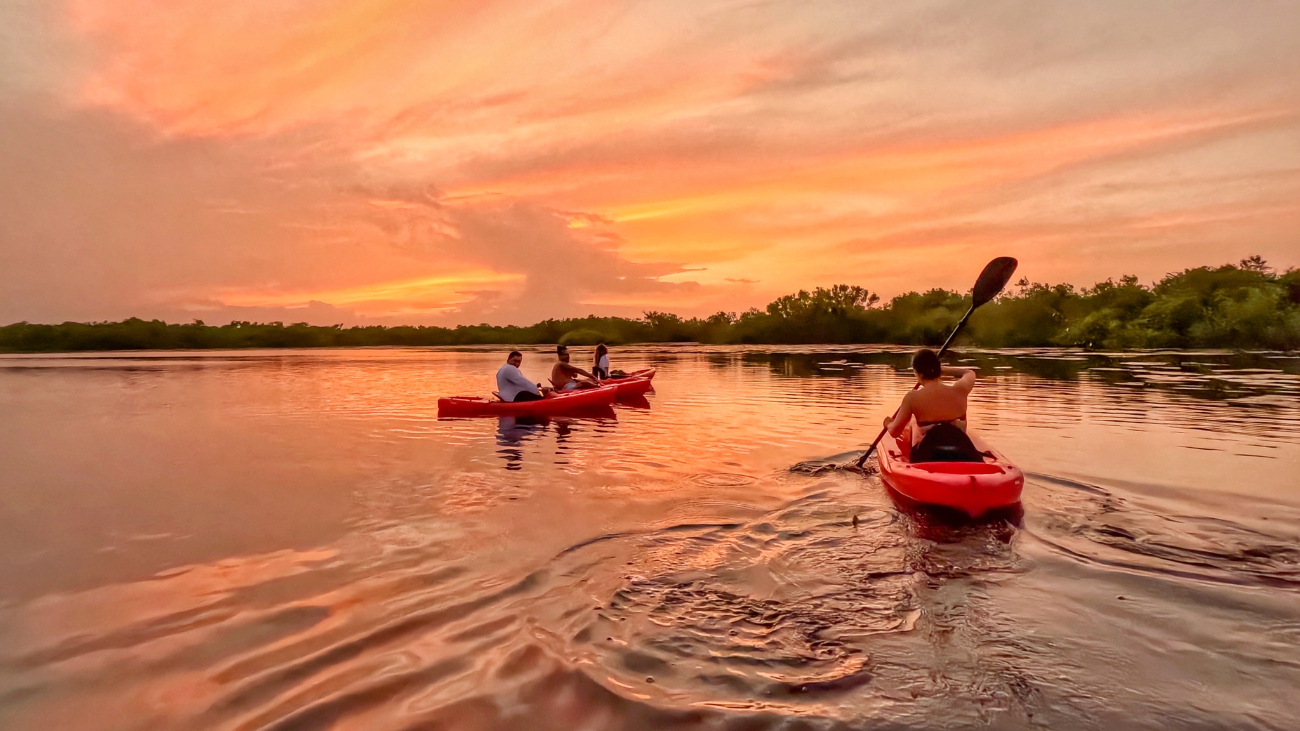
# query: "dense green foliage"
{"points": [[1247, 305]]}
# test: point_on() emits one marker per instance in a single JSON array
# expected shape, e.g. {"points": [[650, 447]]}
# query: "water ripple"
{"points": [[293, 540]]}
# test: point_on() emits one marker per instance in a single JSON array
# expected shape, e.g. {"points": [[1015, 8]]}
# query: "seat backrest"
{"points": [[945, 443]]}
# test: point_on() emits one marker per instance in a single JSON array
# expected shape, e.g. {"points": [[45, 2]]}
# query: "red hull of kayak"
{"points": [[631, 386], [565, 403], [636, 383], [971, 487]]}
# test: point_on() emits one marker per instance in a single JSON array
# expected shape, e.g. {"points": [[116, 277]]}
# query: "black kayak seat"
{"points": [[945, 443]]}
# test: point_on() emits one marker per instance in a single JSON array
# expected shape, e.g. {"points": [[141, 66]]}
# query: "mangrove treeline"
{"points": [[1247, 305]]}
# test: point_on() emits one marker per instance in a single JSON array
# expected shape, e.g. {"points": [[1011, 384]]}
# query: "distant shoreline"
{"points": [[795, 348], [1244, 306]]}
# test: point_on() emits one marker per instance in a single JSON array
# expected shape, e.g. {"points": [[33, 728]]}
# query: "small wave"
{"points": [[782, 608], [1091, 523], [722, 479], [844, 461]]}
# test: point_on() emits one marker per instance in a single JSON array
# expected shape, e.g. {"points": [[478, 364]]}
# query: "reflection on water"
{"points": [[294, 540], [514, 431]]}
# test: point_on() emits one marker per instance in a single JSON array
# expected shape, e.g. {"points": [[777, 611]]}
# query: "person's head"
{"points": [[926, 364], [515, 358], [601, 350], [562, 352]]}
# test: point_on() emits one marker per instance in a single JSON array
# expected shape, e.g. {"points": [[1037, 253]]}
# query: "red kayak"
{"points": [[562, 403], [636, 383], [972, 487], [631, 386]]}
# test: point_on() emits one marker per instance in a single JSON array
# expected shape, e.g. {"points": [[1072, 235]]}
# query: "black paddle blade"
{"points": [[994, 277]]}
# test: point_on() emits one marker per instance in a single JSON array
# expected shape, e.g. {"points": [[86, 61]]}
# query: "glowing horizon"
{"points": [[449, 162]]}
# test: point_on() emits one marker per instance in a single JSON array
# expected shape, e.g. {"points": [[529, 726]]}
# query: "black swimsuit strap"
{"points": [[943, 421]]}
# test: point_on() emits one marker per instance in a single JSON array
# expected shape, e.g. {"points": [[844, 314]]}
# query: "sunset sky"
{"points": [[430, 161]]}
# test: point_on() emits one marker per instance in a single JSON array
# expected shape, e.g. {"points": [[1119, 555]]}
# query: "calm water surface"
{"points": [[293, 540]]}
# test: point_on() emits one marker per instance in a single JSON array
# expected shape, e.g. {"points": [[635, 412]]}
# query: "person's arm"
{"points": [[573, 369], [965, 376], [899, 421]]}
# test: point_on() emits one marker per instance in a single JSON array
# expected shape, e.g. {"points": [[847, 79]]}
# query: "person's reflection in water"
{"points": [[563, 429], [512, 432]]}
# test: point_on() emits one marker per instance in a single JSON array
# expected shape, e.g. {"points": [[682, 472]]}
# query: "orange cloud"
{"points": [[553, 156], [424, 294], [200, 68], [373, 69], [874, 193]]}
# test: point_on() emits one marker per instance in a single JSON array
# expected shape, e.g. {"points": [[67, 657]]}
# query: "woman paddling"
{"points": [[939, 434]]}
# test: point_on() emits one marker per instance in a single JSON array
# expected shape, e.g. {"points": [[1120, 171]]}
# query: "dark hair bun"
{"points": [[926, 364]]}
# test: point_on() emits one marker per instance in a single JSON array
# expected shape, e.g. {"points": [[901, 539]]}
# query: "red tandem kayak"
{"points": [[564, 403], [972, 487]]}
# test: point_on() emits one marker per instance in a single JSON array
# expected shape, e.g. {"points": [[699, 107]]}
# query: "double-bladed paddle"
{"points": [[994, 277]]}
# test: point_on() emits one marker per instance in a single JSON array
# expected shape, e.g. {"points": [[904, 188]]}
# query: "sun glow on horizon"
{"points": [[438, 293]]}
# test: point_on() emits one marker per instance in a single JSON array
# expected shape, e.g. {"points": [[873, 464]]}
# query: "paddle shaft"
{"points": [[944, 349]]}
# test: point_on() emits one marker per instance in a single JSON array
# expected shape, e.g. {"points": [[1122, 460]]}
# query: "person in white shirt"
{"points": [[511, 384]]}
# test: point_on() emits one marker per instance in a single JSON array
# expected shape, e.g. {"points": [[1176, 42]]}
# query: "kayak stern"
{"points": [[974, 488]]}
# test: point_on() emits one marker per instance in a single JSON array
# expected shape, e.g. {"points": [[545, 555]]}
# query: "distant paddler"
{"points": [[568, 377]]}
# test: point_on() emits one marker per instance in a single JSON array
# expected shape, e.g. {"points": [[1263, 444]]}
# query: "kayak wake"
{"points": [[847, 461]]}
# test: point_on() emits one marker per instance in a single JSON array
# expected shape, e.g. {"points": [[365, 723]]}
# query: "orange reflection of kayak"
{"points": [[562, 403], [972, 487]]}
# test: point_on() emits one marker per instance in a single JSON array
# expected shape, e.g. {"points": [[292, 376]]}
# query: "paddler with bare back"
{"points": [[568, 377], [939, 433]]}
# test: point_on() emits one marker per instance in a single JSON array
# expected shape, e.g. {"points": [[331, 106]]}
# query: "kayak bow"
{"points": [[637, 383], [646, 373]]}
